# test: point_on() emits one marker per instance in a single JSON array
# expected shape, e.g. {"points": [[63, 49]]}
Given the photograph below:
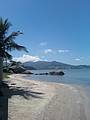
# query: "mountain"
{"points": [[82, 67], [40, 65]]}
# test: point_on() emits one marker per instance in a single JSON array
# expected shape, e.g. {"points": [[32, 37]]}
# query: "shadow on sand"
{"points": [[21, 91]]}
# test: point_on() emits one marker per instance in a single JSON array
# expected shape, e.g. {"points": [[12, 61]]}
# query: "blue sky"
{"points": [[53, 29]]}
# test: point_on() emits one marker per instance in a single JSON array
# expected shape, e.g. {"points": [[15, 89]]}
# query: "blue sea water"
{"points": [[77, 77]]}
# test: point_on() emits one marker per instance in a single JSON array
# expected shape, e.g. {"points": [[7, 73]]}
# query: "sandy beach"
{"points": [[35, 100]]}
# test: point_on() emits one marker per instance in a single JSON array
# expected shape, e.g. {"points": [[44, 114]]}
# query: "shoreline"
{"points": [[39, 100]]}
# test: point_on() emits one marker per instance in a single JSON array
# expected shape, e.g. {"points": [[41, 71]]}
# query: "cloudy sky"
{"points": [[54, 30]]}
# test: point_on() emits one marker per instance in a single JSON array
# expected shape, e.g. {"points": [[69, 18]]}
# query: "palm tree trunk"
{"points": [[1, 69]]}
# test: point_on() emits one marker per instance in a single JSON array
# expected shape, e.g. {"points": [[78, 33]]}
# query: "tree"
{"points": [[7, 43]]}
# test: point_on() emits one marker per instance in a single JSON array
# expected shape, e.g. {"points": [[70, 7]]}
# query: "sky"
{"points": [[54, 30]]}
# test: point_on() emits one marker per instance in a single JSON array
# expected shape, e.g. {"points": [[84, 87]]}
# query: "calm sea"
{"points": [[80, 77]]}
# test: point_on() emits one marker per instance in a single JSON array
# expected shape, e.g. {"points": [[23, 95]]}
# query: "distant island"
{"points": [[43, 65]]}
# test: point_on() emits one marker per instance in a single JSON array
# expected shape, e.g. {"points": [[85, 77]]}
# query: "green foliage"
{"points": [[7, 42]]}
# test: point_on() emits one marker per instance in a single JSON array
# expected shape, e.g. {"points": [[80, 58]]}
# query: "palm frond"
{"points": [[20, 47], [7, 25], [7, 42], [11, 37], [7, 55], [4, 26], [13, 46]]}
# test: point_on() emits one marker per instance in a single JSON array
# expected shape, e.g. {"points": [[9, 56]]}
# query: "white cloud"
{"points": [[63, 51], [48, 51], [26, 58], [77, 59], [43, 44]]}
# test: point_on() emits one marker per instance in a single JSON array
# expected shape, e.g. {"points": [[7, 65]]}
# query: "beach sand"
{"points": [[35, 100]]}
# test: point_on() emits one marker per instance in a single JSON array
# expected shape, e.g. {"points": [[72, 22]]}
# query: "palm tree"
{"points": [[7, 43]]}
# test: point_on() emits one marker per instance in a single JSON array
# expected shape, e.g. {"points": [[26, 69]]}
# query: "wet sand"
{"points": [[35, 100]]}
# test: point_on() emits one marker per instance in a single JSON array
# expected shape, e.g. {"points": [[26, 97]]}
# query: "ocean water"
{"points": [[76, 77], [72, 76]]}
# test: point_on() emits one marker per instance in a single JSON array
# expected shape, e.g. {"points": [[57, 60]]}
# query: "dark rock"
{"points": [[36, 74], [56, 73], [52, 73], [61, 73], [42, 73], [46, 73], [17, 69], [27, 72], [11, 72]]}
